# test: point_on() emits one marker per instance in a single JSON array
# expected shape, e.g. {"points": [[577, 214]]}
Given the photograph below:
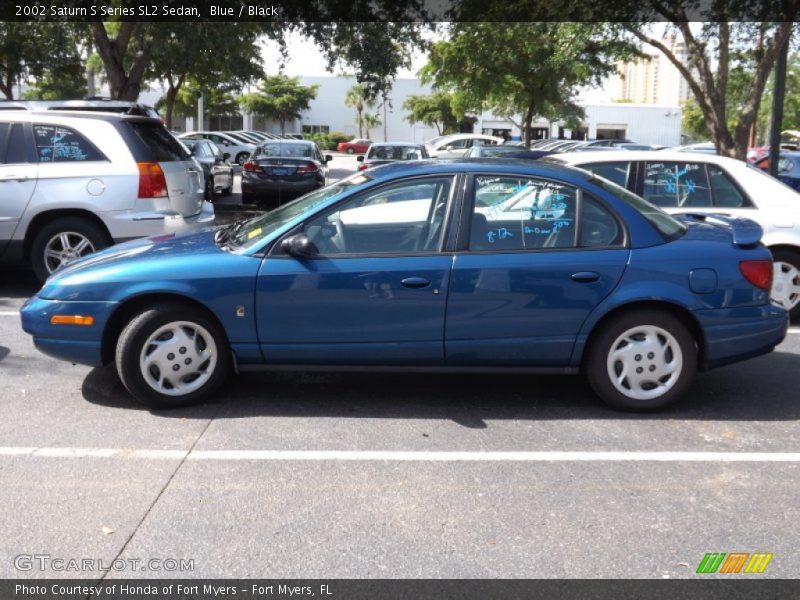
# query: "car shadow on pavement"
{"points": [[738, 393], [16, 283]]}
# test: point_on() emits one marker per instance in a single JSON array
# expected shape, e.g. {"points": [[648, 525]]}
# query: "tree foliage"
{"points": [[525, 68], [280, 98], [49, 54], [434, 110], [724, 48]]}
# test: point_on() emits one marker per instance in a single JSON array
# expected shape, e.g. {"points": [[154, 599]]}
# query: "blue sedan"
{"points": [[493, 266]]}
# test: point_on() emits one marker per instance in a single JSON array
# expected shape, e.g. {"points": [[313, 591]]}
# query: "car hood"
{"points": [[135, 259]]}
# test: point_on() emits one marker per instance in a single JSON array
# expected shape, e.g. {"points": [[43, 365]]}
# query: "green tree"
{"points": [[371, 121], [50, 54], [522, 68], [216, 101], [433, 110], [730, 43], [356, 98], [280, 98]]}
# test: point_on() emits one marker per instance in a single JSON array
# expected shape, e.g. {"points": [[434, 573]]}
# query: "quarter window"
{"points": [[616, 172], [676, 184], [723, 189], [406, 217], [62, 144]]}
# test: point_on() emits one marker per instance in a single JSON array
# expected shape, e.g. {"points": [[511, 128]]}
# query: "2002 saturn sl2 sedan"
{"points": [[479, 265]]}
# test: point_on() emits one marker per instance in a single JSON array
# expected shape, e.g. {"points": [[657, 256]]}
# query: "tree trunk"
{"points": [[122, 85], [172, 94], [7, 87], [360, 123], [283, 127], [526, 134]]}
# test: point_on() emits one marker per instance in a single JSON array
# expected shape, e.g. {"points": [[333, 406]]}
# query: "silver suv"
{"points": [[75, 182]]}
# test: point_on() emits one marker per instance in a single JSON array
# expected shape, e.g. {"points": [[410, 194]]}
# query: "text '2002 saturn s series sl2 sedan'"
{"points": [[479, 265]]}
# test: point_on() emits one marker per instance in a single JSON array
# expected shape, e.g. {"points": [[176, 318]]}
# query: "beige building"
{"points": [[654, 79]]}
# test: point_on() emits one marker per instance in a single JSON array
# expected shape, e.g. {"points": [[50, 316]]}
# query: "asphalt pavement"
{"points": [[394, 476]]}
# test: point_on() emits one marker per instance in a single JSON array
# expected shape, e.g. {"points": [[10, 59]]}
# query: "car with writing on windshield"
{"points": [[484, 267], [74, 182], [281, 170], [700, 183], [386, 152]]}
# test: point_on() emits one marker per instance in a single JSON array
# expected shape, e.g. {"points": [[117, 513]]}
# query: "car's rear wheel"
{"points": [[786, 281], [242, 157], [64, 240], [351, 150], [172, 355], [641, 361], [209, 191]]}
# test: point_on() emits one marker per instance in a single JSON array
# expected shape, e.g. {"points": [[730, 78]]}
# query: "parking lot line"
{"points": [[403, 456], [9, 313]]}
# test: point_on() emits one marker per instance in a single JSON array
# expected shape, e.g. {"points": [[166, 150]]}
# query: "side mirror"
{"points": [[328, 158], [299, 246], [226, 156], [360, 158]]}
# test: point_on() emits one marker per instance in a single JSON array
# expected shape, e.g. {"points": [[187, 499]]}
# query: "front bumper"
{"points": [[736, 334], [73, 343]]}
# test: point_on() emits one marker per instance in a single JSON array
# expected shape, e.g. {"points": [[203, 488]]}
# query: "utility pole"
{"points": [[777, 109], [200, 110]]}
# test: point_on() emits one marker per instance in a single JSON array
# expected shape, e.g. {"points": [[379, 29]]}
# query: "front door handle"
{"points": [[585, 276], [415, 282]]}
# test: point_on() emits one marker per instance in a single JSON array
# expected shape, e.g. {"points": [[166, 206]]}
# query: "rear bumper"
{"points": [[272, 187], [737, 334], [126, 225]]}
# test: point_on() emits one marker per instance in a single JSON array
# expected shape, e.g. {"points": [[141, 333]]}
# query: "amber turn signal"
{"points": [[71, 320]]}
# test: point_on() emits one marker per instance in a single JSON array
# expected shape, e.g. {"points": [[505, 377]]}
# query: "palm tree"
{"points": [[371, 120], [356, 98]]}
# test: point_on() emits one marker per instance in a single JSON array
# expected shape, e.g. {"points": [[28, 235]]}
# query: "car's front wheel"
{"points": [[172, 355], [641, 361], [786, 281], [242, 157]]}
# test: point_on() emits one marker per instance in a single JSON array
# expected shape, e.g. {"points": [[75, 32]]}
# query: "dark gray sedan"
{"points": [[281, 170], [217, 170]]}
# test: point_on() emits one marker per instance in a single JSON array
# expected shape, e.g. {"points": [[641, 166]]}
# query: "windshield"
{"points": [[256, 229], [667, 225]]}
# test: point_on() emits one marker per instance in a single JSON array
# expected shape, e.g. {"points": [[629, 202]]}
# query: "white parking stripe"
{"points": [[403, 456], [9, 313]]}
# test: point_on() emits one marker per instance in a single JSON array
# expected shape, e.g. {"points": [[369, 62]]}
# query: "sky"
{"points": [[306, 59]]}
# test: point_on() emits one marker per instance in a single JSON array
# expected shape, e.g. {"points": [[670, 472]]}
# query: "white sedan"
{"points": [[703, 183], [239, 150], [457, 145]]}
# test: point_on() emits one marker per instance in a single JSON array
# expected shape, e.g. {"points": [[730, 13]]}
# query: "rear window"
{"points": [[160, 142], [667, 225], [285, 150]]}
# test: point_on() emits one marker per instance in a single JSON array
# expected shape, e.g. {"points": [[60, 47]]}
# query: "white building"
{"points": [[643, 123]]}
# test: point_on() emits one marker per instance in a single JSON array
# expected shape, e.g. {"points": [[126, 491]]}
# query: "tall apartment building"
{"points": [[654, 79]]}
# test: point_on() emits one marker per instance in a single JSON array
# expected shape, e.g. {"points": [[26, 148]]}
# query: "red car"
{"points": [[354, 146]]}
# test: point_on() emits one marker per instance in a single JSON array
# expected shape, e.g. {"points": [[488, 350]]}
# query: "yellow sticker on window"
{"points": [[254, 233]]}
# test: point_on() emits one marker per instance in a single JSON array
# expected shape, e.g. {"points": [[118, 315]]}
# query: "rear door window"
{"points": [[676, 184], [55, 143], [159, 141], [19, 149]]}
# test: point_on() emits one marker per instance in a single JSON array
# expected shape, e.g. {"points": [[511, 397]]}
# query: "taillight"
{"points": [[758, 272], [307, 168], [363, 167], [152, 183], [249, 166]]}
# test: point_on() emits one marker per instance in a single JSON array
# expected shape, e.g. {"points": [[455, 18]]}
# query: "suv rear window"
{"points": [[160, 142]]}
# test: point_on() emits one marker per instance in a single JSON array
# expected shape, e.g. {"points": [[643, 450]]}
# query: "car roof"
{"points": [[377, 144], [480, 165], [27, 115], [629, 155]]}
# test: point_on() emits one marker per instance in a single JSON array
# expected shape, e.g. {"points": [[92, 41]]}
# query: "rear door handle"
{"points": [[415, 282], [585, 276]]}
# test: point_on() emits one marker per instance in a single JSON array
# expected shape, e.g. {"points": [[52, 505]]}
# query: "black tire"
{"points": [[130, 346], [96, 235], [226, 191], [208, 194], [791, 257], [601, 344], [242, 157], [351, 150]]}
